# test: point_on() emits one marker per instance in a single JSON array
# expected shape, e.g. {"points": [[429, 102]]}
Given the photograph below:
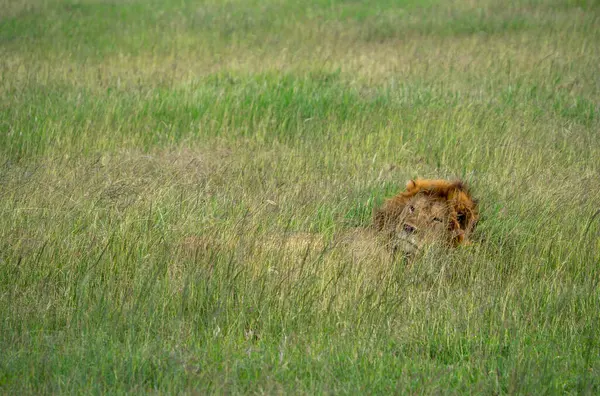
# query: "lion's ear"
{"points": [[463, 219], [466, 216], [410, 185]]}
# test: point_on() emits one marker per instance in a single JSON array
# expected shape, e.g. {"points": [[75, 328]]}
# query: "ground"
{"points": [[148, 149]]}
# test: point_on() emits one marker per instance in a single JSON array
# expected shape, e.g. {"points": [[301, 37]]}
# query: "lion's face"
{"points": [[424, 220], [429, 211]]}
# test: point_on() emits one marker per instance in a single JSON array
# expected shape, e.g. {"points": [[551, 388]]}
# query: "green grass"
{"points": [[150, 150]]}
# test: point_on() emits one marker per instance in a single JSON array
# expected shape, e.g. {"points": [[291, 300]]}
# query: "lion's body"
{"points": [[428, 211]]}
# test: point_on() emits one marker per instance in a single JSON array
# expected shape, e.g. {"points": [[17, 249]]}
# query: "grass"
{"points": [[149, 149]]}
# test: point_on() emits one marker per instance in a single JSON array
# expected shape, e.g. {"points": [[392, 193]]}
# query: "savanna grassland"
{"points": [[160, 159]]}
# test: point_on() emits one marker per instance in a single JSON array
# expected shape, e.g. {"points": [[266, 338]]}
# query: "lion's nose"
{"points": [[409, 229]]}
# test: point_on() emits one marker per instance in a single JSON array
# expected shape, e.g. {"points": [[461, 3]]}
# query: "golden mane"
{"points": [[463, 213]]}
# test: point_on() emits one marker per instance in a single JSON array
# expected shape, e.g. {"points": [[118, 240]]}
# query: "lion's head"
{"points": [[429, 211]]}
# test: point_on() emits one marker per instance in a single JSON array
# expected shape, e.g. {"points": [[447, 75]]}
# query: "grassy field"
{"points": [[154, 154]]}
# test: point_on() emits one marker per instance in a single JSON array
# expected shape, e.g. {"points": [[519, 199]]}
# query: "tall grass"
{"points": [[161, 159]]}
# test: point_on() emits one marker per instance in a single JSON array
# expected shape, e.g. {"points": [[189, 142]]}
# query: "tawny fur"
{"points": [[463, 213]]}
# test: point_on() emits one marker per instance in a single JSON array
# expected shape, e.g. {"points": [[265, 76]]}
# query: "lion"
{"points": [[428, 212]]}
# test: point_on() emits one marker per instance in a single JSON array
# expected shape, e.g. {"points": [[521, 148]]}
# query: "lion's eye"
{"points": [[411, 209], [437, 220]]}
